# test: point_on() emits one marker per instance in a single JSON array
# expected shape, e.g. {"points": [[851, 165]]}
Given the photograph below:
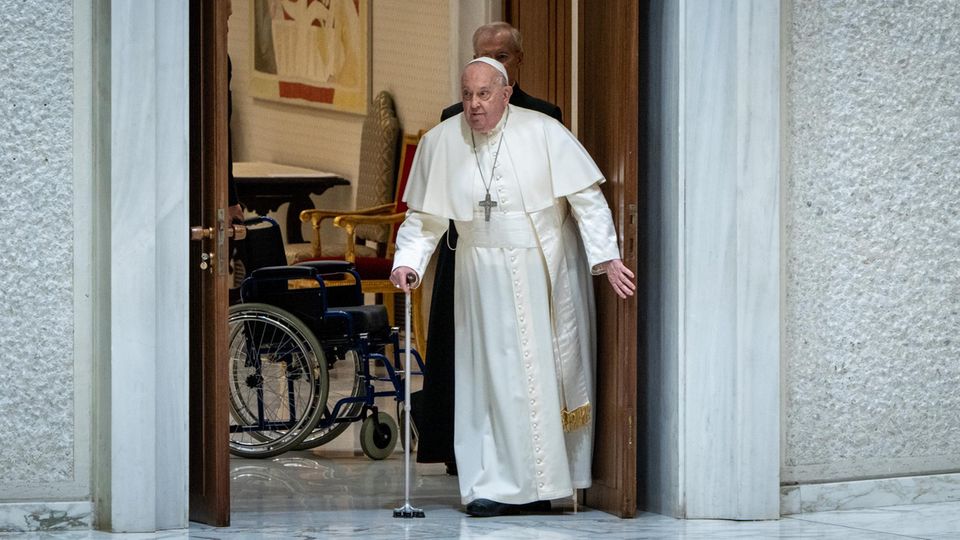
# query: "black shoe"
{"points": [[535, 507], [451, 468], [488, 508]]}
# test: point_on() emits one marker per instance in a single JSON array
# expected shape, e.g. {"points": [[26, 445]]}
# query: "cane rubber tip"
{"points": [[408, 513]]}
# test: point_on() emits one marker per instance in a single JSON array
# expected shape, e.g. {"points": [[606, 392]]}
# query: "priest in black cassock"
{"points": [[432, 407]]}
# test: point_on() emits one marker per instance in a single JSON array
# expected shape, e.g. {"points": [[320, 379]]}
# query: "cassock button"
{"points": [[539, 473], [541, 484], [539, 462], [526, 354], [538, 449], [533, 402]]}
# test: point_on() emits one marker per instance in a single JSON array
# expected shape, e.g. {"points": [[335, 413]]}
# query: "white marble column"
{"points": [[142, 451], [714, 387]]}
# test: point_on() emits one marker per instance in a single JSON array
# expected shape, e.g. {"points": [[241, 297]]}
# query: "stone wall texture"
{"points": [[872, 239], [36, 242]]}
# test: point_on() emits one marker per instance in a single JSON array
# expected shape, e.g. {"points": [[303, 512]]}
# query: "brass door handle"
{"points": [[201, 233], [238, 232], [219, 235]]}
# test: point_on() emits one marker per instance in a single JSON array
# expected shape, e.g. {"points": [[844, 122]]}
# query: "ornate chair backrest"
{"points": [[408, 148], [378, 162]]}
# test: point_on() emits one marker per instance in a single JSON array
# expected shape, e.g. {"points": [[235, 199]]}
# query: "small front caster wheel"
{"points": [[378, 437]]}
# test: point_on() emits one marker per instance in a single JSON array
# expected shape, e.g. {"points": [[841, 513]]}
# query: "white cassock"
{"points": [[525, 343]]}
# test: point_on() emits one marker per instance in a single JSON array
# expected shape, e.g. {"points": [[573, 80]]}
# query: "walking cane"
{"points": [[407, 511]]}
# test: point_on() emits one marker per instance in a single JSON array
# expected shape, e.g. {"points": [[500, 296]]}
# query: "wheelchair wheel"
{"points": [[344, 376], [378, 438], [277, 380]]}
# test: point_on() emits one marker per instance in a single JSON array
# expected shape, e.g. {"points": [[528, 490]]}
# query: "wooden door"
{"points": [[209, 451], [546, 29], [609, 125]]}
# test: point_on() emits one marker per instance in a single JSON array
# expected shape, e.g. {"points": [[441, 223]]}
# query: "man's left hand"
{"points": [[620, 277]]}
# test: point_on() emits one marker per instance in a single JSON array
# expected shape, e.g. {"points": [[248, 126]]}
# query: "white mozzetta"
{"points": [[871, 243]]}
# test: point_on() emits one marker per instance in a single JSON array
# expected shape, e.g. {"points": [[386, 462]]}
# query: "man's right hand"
{"points": [[404, 278]]}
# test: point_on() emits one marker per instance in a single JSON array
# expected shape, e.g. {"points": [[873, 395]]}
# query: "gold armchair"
{"points": [[375, 264]]}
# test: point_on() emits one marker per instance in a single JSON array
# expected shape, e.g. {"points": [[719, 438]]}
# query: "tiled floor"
{"points": [[299, 495]]}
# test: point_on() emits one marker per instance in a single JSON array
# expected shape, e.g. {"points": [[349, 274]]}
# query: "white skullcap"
{"points": [[494, 64]]}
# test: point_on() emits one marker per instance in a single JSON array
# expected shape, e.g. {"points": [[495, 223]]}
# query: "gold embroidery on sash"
{"points": [[575, 419]]}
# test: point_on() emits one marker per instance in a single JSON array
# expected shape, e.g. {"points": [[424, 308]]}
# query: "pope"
{"points": [[533, 223]]}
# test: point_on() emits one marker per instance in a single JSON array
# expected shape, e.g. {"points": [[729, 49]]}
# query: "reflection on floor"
{"points": [[301, 495]]}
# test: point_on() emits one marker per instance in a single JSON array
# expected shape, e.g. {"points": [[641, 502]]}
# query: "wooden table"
{"points": [[263, 187]]}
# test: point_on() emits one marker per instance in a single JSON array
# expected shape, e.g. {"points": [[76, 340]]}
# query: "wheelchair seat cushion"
{"points": [[371, 319]]}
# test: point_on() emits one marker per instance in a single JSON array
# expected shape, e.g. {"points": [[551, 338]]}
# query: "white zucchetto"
{"points": [[494, 64]]}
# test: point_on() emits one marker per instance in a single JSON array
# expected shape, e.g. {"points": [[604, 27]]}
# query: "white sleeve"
{"points": [[596, 226], [416, 239]]}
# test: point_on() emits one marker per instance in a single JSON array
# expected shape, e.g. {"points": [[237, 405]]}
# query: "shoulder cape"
{"points": [[548, 160]]}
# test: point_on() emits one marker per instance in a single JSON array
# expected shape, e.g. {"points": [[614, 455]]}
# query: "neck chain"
{"points": [[487, 203]]}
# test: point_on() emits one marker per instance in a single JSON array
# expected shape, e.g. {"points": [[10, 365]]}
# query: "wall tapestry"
{"points": [[312, 52]]}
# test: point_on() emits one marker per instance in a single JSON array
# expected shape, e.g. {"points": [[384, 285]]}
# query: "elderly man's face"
{"points": [[499, 46], [484, 96]]}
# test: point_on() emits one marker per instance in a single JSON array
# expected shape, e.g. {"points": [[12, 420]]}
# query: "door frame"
{"points": [[139, 182], [609, 91]]}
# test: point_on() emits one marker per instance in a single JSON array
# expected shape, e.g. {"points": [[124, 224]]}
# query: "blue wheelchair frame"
{"points": [[339, 322]]}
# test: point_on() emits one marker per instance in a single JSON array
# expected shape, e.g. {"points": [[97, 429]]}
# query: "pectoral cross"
{"points": [[487, 204]]}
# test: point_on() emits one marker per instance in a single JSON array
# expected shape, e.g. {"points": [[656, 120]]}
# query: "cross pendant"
{"points": [[487, 204]]}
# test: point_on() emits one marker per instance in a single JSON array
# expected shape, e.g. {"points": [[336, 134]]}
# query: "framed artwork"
{"points": [[312, 52]]}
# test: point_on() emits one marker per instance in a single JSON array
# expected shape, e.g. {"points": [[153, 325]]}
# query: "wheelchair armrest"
{"points": [[284, 272], [327, 267]]}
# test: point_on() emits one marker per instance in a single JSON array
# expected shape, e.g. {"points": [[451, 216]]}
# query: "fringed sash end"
{"points": [[575, 419]]}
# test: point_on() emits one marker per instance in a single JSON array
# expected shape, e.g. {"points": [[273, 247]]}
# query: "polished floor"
{"points": [[301, 495]]}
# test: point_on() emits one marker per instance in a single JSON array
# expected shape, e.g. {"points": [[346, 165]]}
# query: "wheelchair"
{"points": [[300, 362]]}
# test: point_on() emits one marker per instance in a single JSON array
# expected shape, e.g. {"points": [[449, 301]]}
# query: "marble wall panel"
{"points": [[709, 382], [729, 188], [36, 238], [872, 239]]}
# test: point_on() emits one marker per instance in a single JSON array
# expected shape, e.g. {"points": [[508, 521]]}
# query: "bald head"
{"points": [[501, 42]]}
